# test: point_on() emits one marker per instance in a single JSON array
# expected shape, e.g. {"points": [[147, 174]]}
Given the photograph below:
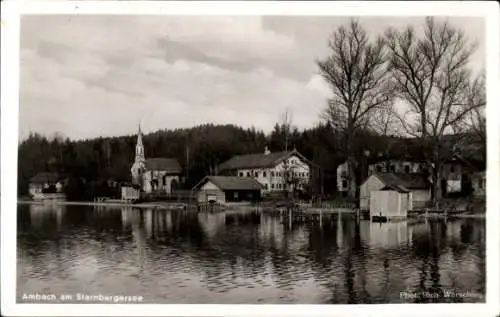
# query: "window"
{"points": [[480, 184], [265, 186], [393, 168], [379, 169], [248, 174], [272, 174], [241, 174], [235, 195], [264, 174], [452, 169], [272, 186], [407, 168], [165, 180], [344, 183], [256, 174]]}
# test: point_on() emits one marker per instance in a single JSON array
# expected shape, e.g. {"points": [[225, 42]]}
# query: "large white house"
{"points": [[277, 171]]}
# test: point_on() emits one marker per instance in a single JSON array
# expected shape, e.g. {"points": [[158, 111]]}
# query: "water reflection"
{"points": [[245, 257]]}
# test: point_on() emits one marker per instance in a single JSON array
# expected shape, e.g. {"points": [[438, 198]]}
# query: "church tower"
{"points": [[139, 166], [139, 148]]}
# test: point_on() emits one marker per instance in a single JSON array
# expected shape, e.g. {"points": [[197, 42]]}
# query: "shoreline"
{"points": [[185, 206], [162, 205]]}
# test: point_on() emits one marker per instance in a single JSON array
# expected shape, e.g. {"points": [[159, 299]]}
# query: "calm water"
{"points": [[244, 257]]}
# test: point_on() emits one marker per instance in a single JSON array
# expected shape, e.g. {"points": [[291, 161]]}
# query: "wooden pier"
{"points": [[298, 215], [209, 207]]}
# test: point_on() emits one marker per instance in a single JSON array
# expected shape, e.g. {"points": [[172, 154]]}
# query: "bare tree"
{"points": [[286, 123], [476, 122], [477, 96], [356, 72], [384, 122], [430, 73]]}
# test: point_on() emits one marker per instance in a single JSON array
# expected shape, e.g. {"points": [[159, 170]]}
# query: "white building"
{"points": [[417, 185], [342, 178], [154, 174], [275, 171], [479, 184], [47, 186]]}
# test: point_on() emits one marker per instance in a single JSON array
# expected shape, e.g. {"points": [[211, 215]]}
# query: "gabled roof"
{"points": [[404, 181], [46, 177], [163, 164], [259, 160], [231, 183]]}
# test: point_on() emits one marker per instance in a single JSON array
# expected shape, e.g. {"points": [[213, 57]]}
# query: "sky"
{"points": [[85, 76]]}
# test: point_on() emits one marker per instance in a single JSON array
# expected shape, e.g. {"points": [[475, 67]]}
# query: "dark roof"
{"points": [[231, 183], [163, 164], [259, 160], [42, 178], [398, 188], [404, 181]]}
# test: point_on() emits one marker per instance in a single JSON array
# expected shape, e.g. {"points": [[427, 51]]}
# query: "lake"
{"points": [[237, 257]]}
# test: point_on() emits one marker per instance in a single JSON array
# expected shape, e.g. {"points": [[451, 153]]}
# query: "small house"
{"points": [[417, 184], [223, 189], [391, 202], [47, 185]]}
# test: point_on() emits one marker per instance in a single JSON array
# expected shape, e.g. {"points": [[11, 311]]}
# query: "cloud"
{"points": [[100, 75]]}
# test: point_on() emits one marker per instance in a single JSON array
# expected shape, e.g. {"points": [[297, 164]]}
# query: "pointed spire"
{"points": [[139, 147], [139, 136]]}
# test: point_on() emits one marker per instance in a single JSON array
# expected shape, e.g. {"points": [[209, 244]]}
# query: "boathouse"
{"points": [[391, 202], [416, 184], [223, 189]]}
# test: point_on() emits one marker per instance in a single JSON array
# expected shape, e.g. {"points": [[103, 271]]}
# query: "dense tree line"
{"points": [[199, 150]]}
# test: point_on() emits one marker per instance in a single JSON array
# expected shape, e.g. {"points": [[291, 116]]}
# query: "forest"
{"points": [[199, 150]]}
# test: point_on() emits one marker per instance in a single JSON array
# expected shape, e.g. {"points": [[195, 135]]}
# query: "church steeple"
{"points": [[139, 147]]}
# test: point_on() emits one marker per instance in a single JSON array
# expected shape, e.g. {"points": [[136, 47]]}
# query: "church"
{"points": [[154, 175]]}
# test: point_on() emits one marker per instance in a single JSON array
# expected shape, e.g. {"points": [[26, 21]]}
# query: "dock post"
{"points": [[321, 218]]}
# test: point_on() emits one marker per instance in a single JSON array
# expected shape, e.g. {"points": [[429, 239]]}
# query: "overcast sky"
{"points": [[88, 76]]}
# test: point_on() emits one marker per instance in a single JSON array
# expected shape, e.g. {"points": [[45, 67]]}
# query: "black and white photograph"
{"points": [[260, 158]]}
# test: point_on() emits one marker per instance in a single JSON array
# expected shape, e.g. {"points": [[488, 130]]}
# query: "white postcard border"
{"points": [[11, 11]]}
